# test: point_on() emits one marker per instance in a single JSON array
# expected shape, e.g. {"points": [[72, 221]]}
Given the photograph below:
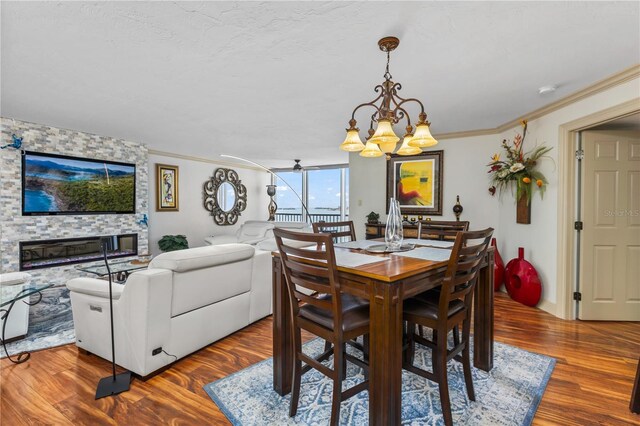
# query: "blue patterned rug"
{"points": [[509, 395]]}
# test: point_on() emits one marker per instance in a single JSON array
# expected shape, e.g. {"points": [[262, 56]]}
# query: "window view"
{"points": [[326, 191], [289, 206], [324, 194]]}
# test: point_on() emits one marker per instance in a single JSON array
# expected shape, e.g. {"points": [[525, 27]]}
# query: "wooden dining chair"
{"points": [[441, 229], [339, 230], [444, 311], [328, 313]]}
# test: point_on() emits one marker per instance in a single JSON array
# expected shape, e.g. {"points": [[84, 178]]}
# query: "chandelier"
{"points": [[390, 110]]}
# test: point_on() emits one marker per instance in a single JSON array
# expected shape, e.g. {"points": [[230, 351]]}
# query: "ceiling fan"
{"points": [[297, 168]]}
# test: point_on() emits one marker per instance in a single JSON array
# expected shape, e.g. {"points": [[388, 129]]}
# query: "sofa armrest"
{"points": [[95, 287]]}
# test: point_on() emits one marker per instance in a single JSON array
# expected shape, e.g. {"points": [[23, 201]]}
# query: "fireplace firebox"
{"points": [[50, 253]]}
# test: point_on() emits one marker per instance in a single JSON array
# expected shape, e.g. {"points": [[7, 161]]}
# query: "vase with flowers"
{"points": [[519, 170]]}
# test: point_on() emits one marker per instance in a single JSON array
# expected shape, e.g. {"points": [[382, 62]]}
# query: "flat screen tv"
{"points": [[57, 184]]}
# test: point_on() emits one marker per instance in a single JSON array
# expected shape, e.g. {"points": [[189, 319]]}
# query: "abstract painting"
{"points": [[416, 182]]}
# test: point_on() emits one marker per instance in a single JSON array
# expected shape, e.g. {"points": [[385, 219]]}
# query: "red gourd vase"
{"points": [[498, 267], [522, 281]]}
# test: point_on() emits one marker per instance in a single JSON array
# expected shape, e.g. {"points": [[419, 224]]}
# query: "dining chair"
{"points": [[328, 313], [338, 230], [441, 229], [444, 311]]}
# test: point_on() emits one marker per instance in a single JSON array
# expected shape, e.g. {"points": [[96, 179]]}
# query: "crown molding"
{"points": [[204, 160], [600, 86], [465, 134]]}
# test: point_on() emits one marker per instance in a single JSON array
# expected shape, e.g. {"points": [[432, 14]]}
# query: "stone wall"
{"points": [[15, 228]]}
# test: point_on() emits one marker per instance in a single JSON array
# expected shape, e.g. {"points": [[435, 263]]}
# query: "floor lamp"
{"points": [[116, 383]]}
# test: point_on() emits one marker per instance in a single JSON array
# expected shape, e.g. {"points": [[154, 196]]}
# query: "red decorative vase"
{"points": [[522, 281], [498, 267]]}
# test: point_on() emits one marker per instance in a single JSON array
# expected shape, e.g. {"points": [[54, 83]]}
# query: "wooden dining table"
{"points": [[385, 284]]}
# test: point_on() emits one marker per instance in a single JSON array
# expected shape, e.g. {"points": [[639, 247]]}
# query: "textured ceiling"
{"points": [[274, 81]]}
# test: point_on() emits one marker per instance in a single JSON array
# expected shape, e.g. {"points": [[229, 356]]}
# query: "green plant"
{"points": [[519, 168], [173, 242], [373, 217]]}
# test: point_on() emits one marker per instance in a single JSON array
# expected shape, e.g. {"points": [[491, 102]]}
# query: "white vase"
{"points": [[393, 231]]}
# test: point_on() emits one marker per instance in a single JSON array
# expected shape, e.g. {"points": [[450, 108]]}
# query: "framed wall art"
{"points": [[416, 182], [166, 188]]}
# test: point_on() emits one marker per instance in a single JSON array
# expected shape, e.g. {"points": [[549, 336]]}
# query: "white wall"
{"points": [[192, 219], [465, 174], [540, 238]]}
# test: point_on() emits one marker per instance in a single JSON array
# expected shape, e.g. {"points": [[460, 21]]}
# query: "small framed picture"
{"points": [[166, 188], [416, 182]]}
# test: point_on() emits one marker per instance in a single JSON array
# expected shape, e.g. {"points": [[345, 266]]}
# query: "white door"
{"points": [[610, 240]]}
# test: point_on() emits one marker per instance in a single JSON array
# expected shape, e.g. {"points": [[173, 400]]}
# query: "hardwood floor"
{"points": [[591, 384]]}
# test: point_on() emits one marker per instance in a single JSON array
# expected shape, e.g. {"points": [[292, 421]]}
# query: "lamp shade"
{"points": [[422, 138], [384, 133], [352, 143], [407, 149], [387, 147], [371, 150]]}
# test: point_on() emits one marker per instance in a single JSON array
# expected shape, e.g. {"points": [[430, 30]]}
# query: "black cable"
{"points": [[167, 353]]}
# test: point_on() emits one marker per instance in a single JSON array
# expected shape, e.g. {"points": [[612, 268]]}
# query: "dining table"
{"points": [[385, 284]]}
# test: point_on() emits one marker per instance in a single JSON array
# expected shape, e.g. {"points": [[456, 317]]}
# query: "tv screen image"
{"points": [[57, 184]]}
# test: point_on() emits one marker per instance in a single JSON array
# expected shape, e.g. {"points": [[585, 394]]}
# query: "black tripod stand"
{"points": [[116, 383]]}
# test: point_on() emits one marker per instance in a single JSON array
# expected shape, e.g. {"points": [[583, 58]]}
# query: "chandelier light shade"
{"points": [[423, 138], [384, 133], [352, 143], [371, 150], [389, 109], [406, 148]]}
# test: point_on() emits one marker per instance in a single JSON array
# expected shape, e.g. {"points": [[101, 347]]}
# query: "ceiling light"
{"points": [[391, 109], [545, 90]]}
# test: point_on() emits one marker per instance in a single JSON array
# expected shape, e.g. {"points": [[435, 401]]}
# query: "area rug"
{"points": [[50, 324], [508, 395]]}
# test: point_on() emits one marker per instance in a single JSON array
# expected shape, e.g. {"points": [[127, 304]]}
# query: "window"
{"points": [[325, 190], [289, 205]]}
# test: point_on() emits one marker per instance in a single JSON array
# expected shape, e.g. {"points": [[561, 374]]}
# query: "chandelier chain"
{"points": [[387, 74]]}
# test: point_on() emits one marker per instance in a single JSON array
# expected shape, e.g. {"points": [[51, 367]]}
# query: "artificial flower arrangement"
{"points": [[518, 167]]}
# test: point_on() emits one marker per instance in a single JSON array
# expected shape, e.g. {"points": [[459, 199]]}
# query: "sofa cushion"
{"points": [[13, 278], [202, 257]]}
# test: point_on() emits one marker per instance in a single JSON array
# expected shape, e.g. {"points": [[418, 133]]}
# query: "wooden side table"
{"points": [[377, 231]]}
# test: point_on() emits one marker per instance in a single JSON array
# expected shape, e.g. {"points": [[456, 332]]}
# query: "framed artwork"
{"points": [[416, 182], [166, 188]]}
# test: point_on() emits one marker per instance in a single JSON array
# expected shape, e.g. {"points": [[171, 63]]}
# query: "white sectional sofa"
{"points": [[184, 301], [258, 233]]}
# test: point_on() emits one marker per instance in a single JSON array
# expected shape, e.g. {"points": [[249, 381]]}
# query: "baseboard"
{"points": [[549, 307]]}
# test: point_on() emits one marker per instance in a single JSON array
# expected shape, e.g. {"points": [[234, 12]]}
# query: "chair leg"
{"points": [[327, 345], [344, 362], [338, 366], [409, 353], [365, 354], [297, 367], [440, 370], [456, 336], [466, 360]]}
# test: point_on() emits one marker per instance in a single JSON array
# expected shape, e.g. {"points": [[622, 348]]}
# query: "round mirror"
{"points": [[226, 196]]}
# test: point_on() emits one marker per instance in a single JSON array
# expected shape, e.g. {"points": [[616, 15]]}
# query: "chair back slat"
{"points": [[320, 277], [467, 255], [340, 231], [441, 229]]}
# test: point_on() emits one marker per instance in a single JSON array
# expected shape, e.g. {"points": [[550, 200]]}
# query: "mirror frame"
{"points": [[220, 176]]}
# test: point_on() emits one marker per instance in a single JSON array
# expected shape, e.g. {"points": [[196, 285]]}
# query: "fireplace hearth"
{"points": [[50, 253]]}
